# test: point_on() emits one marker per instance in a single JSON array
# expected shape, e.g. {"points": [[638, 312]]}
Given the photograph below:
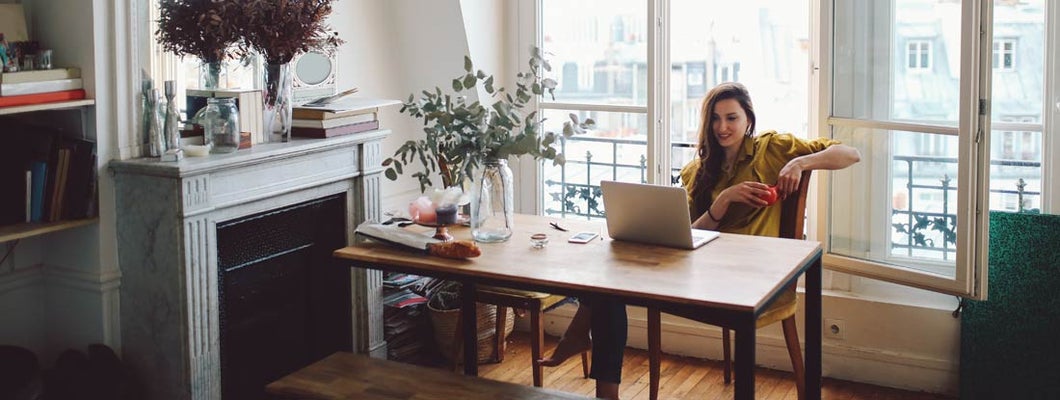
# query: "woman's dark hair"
{"points": [[708, 149]]}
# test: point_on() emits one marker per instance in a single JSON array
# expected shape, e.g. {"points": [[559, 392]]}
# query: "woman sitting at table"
{"points": [[725, 183]]}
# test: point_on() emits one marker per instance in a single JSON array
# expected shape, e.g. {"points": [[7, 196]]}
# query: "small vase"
{"points": [[210, 74], [492, 203], [277, 98]]}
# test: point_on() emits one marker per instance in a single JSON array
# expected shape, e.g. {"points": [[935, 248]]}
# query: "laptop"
{"points": [[651, 214]]}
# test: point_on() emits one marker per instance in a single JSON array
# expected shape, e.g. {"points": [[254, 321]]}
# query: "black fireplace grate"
{"points": [[270, 234]]}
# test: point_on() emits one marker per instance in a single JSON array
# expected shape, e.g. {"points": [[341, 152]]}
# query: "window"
{"points": [[919, 122], [918, 55], [1004, 55], [905, 213], [705, 48], [186, 71]]}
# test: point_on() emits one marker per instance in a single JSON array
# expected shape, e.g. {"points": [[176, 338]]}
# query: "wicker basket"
{"points": [[446, 321]]}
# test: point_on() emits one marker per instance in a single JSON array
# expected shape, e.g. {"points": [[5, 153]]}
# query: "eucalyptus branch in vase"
{"points": [[461, 136]]}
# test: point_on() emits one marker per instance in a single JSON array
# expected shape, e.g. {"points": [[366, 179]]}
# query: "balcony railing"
{"points": [[923, 225]]}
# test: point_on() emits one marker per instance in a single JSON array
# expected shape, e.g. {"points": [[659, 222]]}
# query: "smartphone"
{"points": [[582, 237]]}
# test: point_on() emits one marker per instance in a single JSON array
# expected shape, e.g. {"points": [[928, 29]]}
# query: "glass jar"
{"points": [[492, 203], [220, 123]]}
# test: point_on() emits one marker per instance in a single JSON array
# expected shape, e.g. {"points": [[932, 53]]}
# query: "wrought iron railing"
{"points": [[918, 229]]}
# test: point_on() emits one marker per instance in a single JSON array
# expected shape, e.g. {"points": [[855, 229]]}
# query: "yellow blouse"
{"points": [[763, 157]]}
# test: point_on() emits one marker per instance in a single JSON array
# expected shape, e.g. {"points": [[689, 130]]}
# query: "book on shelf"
{"points": [[41, 98], [80, 180], [39, 75], [248, 102], [39, 172], [342, 108], [58, 190], [57, 85], [321, 133], [333, 122]]}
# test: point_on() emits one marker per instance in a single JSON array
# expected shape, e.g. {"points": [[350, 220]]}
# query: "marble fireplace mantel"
{"points": [[167, 213]]}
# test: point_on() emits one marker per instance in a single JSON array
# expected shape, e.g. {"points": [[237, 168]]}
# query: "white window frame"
{"points": [[973, 158]]}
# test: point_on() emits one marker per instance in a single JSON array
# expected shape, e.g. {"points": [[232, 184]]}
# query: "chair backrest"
{"points": [[793, 210]]}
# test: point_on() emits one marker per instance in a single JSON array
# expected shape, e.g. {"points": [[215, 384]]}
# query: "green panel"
{"points": [[1009, 343]]}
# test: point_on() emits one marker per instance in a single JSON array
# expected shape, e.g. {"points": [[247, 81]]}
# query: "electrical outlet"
{"points": [[834, 328]]}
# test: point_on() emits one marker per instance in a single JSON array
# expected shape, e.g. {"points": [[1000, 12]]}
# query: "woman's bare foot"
{"points": [[567, 347]]}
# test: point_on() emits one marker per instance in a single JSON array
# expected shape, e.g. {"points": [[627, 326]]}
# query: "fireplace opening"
{"points": [[284, 300]]}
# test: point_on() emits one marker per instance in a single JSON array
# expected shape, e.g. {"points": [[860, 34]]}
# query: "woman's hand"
{"points": [[749, 192], [789, 177]]}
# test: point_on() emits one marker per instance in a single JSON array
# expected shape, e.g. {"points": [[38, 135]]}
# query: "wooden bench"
{"points": [[354, 376]]}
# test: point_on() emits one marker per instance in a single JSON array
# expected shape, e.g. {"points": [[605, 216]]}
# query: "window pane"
{"points": [[911, 196], [763, 44], [616, 150], [874, 80], [1016, 106], [598, 50]]}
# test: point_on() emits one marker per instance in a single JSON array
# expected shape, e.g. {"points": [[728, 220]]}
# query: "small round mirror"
{"points": [[313, 68]]}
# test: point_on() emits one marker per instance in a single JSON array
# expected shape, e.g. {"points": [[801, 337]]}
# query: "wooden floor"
{"points": [[682, 378]]}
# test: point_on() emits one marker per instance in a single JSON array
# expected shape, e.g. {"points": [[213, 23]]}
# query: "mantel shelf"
{"points": [[46, 106], [30, 229]]}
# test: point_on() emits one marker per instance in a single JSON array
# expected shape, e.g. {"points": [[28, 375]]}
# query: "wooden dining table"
{"points": [[729, 281]]}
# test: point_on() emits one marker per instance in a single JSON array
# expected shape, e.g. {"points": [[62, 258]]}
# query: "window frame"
{"points": [[975, 66]]}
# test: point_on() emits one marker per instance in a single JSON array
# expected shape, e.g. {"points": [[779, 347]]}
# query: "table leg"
{"points": [[470, 327], [813, 330], [745, 359]]}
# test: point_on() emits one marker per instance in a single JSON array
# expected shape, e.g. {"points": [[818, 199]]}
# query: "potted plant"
{"points": [[464, 137]]}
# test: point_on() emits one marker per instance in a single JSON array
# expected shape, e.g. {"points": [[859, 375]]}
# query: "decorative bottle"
{"points": [[492, 203], [220, 122], [155, 116], [172, 119]]}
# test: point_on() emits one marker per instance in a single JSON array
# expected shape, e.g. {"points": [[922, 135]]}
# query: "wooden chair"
{"points": [[792, 219], [535, 304]]}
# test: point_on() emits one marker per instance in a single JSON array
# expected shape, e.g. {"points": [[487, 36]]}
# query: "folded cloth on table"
{"points": [[395, 235]]}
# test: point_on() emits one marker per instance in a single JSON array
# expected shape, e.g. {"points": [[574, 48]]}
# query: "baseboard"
{"points": [[55, 309], [20, 278]]}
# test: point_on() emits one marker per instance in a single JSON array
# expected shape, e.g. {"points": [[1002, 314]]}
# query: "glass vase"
{"points": [[210, 74], [492, 203], [220, 123], [277, 98]]}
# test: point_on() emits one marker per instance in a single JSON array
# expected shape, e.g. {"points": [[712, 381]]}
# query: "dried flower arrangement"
{"points": [[198, 28], [282, 29]]}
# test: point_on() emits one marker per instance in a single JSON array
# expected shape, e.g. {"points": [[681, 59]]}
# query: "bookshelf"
{"points": [[11, 232], [30, 229]]}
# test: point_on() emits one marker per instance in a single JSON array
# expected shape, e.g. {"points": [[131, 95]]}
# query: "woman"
{"points": [[733, 168], [726, 181]]}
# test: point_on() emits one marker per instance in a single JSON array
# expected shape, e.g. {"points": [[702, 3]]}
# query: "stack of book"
{"points": [[40, 86], [404, 321], [342, 117]]}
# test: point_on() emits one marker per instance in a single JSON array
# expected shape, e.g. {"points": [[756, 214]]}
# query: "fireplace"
{"points": [[284, 301], [227, 280]]}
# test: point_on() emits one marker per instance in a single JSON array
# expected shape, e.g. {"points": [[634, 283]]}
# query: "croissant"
{"points": [[455, 249]]}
